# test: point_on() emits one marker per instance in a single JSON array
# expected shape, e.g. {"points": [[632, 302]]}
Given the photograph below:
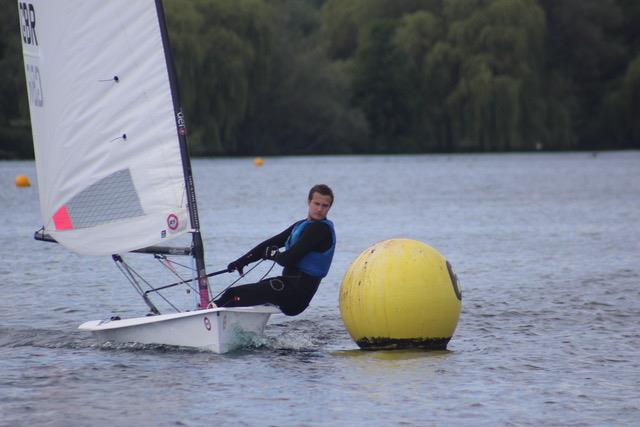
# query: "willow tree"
{"points": [[433, 70], [496, 103], [305, 108], [222, 51], [454, 75], [585, 54], [381, 89], [346, 23]]}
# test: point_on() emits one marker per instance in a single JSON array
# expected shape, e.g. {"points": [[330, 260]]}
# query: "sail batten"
{"points": [[108, 153]]}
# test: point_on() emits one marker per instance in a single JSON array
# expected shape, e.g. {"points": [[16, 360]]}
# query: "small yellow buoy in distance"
{"points": [[258, 161], [22, 181], [400, 293]]}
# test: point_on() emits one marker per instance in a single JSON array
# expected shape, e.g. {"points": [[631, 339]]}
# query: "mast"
{"points": [[198, 247]]}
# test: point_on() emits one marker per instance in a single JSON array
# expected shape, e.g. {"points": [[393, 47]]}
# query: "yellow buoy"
{"points": [[400, 293], [22, 181], [258, 161]]}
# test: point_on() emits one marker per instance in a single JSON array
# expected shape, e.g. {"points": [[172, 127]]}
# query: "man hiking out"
{"points": [[308, 244]]}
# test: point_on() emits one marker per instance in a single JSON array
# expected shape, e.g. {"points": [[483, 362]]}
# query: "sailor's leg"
{"points": [[268, 291]]}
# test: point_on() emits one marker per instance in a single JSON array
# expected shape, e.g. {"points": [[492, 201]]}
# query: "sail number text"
{"points": [[28, 18], [34, 84]]}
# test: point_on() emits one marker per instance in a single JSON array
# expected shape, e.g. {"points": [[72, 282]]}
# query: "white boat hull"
{"points": [[218, 329]]}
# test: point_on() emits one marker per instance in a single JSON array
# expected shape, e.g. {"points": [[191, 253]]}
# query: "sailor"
{"points": [[308, 250]]}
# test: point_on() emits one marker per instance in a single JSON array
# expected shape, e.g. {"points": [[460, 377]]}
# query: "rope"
{"points": [[187, 267], [131, 275], [167, 263]]}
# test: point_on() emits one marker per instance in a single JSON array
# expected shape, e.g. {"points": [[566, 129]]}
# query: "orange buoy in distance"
{"points": [[22, 181], [258, 161]]}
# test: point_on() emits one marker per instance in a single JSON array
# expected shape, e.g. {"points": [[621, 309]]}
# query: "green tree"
{"points": [[222, 54], [305, 108], [433, 70], [496, 104], [340, 28], [380, 88], [585, 55], [345, 23]]}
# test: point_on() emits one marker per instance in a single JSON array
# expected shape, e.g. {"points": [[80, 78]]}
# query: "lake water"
{"points": [[546, 247]]}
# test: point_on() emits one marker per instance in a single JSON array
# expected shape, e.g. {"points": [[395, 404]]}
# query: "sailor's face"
{"points": [[319, 206]]}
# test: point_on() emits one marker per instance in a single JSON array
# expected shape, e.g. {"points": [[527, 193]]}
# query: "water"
{"points": [[546, 247]]}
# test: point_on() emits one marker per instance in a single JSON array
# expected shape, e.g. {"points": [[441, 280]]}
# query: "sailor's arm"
{"points": [[257, 253], [315, 237]]}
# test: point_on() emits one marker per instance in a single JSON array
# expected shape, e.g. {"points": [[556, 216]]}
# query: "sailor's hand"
{"points": [[236, 265], [271, 252]]}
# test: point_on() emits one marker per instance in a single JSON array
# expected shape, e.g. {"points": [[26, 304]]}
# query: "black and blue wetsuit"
{"points": [[309, 247]]}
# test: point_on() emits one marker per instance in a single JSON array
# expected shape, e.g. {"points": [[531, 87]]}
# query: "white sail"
{"points": [[110, 173]]}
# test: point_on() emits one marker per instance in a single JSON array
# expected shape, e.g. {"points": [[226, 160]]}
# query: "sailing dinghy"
{"points": [[114, 172]]}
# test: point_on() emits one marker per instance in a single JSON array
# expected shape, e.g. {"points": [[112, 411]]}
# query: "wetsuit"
{"points": [[292, 291]]}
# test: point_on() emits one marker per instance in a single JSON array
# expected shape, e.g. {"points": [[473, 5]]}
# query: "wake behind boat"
{"points": [[112, 158]]}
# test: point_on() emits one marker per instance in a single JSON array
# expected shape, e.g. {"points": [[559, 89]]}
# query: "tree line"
{"points": [[271, 77]]}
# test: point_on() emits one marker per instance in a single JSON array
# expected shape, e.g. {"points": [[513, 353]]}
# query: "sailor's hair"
{"points": [[321, 189]]}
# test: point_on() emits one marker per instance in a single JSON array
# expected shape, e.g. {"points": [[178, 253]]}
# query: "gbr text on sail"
{"points": [[28, 23], [30, 39]]}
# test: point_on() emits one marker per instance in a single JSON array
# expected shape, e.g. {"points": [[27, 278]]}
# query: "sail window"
{"points": [[112, 198]]}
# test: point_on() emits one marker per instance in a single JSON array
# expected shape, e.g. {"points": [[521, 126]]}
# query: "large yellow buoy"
{"points": [[400, 293], [22, 181]]}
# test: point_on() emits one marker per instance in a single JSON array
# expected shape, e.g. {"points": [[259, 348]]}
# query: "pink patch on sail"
{"points": [[62, 220]]}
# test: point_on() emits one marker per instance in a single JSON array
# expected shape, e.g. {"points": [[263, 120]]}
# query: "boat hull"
{"points": [[219, 330]]}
